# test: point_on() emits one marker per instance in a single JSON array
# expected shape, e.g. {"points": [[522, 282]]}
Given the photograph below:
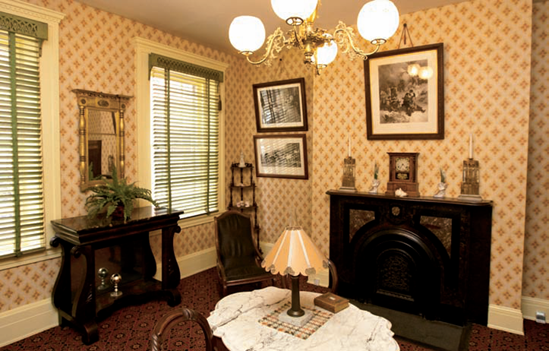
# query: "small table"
{"points": [[236, 317], [91, 243]]}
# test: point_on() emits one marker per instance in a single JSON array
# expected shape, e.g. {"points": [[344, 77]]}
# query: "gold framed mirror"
{"points": [[101, 130]]}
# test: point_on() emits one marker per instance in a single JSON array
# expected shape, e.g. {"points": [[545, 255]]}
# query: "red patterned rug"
{"points": [[130, 327]]}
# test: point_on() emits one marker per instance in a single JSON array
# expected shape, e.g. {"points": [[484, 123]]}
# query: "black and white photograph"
{"points": [[403, 98], [405, 94], [280, 106], [281, 156]]}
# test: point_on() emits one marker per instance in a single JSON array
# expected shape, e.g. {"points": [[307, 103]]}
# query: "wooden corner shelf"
{"points": [[245, 176]]}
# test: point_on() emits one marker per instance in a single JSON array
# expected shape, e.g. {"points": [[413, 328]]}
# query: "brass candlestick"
{"points": [[470, 187], [115, 279], [348, 182], [102, 273]]}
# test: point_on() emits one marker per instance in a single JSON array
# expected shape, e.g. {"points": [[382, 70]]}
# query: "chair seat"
{"points": [[246, 272]]}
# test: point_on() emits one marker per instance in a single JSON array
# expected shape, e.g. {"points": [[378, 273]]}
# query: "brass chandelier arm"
{"points": [[297, 37], [345, 39], [275, 43]]}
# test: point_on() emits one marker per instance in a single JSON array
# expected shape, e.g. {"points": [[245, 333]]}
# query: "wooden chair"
{"points": [[238, 260], [165, 324], [332, 285]]}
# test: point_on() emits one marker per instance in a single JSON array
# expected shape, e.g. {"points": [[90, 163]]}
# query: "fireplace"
{"points": [[419, 255]]}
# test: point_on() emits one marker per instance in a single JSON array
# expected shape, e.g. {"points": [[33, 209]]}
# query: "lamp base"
{"points": [[297, 321]]}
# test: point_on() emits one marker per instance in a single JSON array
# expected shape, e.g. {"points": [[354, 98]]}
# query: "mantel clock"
{"points": [[403, 173]]}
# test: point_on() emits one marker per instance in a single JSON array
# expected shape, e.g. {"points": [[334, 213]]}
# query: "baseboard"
{"points": [[27, 320], [531, 305], [193, 263], [265, 247], [506, 319]]}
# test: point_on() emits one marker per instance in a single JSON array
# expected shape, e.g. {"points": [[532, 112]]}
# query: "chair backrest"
{"points": [[164, 325], [234, 239]]}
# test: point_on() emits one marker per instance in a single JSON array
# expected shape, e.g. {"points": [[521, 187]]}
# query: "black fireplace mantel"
{"points": [[446, 241]]}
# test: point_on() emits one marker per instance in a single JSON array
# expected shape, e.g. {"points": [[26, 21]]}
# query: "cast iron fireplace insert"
{"points": [[420, 255]]}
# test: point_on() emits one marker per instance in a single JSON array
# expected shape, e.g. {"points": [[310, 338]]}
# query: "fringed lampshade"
{"points": [[294, 254]]}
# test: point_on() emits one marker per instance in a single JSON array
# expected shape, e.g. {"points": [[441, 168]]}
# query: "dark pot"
{"points": [[118, 212]]}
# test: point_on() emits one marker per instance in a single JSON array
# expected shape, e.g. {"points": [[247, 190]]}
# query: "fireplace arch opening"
{"points": [[399, 269]]}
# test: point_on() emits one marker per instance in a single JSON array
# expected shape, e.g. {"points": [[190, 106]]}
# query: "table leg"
{"points": [[149, 263], [84, 312], [171, 276], [62, 289]]}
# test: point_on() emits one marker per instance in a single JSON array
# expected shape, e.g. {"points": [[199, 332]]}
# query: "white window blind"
{"points": [[21, 198], [185, 133]]}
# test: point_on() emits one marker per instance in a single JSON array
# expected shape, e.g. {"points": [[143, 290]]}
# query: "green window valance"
{"points": [[25, 26], [184, 67]]}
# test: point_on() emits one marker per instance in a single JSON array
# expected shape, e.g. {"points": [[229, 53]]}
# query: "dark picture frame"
{"points": [[281, 106], [281, 156], [400, 105]]}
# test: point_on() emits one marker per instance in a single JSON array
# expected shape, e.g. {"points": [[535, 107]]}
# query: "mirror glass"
{"points": [[102, 143], [101, 129]]}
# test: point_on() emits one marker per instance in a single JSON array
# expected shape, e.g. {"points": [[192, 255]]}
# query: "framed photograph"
{"points": [[405, 93], [280, 106], [281, 156]]}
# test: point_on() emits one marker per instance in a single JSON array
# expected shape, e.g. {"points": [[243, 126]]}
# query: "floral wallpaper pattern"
{"points": [[489, 51]]}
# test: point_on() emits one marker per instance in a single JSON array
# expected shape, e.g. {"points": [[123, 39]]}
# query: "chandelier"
{"points": [[377, 21]]}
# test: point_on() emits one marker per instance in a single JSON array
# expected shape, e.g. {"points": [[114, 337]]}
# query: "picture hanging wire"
{"points": [[405, 34]]}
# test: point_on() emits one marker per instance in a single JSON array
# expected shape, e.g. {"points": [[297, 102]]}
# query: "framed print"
{"points": [[281, 156], [280, 106], [405, 93]]}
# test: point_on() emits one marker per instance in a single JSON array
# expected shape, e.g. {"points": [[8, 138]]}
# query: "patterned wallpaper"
{"points": [[487, 92], [536, 241], [487, 82], [96, 53]]}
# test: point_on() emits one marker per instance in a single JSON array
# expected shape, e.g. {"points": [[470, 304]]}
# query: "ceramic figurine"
{"points": [[375, 183], [442, 185], [400, 193]]}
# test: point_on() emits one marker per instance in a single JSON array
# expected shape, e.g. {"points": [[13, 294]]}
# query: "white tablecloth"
{"points": [[236, 321]]}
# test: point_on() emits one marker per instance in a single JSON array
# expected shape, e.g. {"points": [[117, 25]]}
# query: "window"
{"points": [[21, 197], [181, 148], [185, 132], [29, 127]]}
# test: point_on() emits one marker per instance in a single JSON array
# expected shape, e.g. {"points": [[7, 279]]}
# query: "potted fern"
{"points": [[117, 196]]}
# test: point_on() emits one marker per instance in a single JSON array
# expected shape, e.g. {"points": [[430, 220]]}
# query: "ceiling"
{"points": [[207, 21]]}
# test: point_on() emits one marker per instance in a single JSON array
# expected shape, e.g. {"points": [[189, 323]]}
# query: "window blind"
{"points": [[21, 197], [185, 133]]}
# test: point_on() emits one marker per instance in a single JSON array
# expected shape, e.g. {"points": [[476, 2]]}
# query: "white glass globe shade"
{"points": [[326, 53], [413, 70], [294, 8], [425, 72], [378, 19], [247, 33]]}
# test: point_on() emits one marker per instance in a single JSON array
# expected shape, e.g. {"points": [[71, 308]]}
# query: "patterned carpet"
{"points": [[130, 328]]}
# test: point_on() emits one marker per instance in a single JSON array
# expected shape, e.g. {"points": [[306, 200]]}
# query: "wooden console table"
{"points": [[124, 248]]}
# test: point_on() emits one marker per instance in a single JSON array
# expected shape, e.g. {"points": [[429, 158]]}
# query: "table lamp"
{"points": [[294, 253]]}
